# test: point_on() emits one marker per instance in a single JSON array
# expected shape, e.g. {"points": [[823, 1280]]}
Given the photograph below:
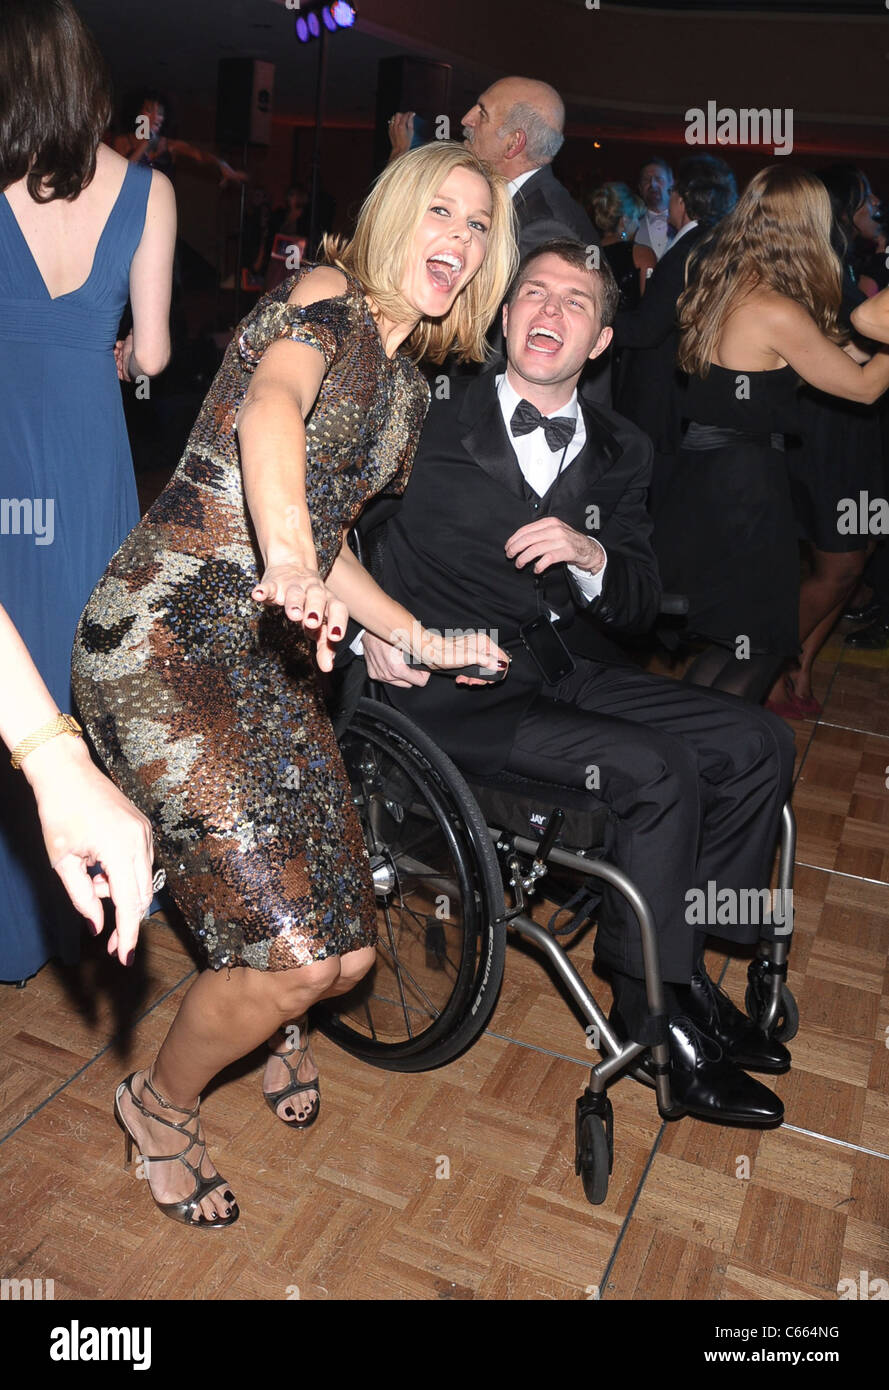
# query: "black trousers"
{"points": [[697, 780]]}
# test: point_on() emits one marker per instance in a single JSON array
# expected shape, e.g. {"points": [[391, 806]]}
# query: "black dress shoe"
{"points": [[873, 638], [705, 1083], [740, 1039]]}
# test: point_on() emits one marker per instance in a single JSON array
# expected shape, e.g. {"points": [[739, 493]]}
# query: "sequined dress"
{"points": [[206, 708]]}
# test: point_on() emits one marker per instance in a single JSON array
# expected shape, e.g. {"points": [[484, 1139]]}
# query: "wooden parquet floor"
{"points": [[355, 1208]]}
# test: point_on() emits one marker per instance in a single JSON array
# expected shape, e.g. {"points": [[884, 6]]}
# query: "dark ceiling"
{"points": [[176, 45]]}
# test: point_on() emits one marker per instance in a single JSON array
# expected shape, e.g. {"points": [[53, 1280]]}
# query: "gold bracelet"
{"points": [[62, 724]]}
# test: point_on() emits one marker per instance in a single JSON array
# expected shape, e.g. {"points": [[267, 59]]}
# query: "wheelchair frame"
{"points": [[768, 1000]]}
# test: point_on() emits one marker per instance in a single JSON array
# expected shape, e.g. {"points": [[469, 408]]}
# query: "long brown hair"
{"points": [[778, 238], [384, 232], [55, 98]]}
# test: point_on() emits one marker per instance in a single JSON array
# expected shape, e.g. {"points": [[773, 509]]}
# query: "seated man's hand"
{"points": [[385, 663], [550, 541]]}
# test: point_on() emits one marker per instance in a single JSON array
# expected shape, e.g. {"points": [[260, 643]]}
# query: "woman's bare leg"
{"points": [[353, 966], [823, 595], [224, 1015]]}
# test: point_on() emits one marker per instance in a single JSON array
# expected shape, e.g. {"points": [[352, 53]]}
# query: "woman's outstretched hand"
{"points": [[86, 820], [306, 599]]}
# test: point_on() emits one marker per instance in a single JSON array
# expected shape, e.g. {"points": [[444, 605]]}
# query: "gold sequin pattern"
{"points": [[206, 708]]}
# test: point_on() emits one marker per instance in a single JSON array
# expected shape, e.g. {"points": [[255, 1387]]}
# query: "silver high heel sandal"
{"points": [[273, 1098], [183, 1210]]}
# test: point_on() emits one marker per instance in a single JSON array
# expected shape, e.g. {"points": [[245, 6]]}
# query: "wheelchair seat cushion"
{"points": [[523, 807]]}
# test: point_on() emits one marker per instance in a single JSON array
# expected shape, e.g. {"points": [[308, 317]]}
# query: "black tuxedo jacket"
{"points": [[545, 209], [650, 388], [444, 559]]}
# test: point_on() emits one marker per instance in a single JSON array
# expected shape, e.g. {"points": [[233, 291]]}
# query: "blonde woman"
{"points": [[195, 662], [617, 212], [758, 316]]}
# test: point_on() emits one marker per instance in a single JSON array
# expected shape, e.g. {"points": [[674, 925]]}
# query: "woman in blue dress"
{"points": [[81, 230]]}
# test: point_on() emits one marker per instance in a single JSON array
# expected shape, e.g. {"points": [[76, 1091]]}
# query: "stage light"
{"points": [[333, 17]]}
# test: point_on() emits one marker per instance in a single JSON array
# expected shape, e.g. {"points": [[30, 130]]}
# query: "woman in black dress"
{"points": [[839, 455], [758, 315], [195, 660], [617, 212]]}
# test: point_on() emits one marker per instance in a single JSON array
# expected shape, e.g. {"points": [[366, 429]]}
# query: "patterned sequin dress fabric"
{"points": [[206, 708]]}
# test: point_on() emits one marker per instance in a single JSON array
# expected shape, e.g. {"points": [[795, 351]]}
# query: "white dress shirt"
{"points": [[682, 230], [655, 231], [540, 464], [515, 184]]}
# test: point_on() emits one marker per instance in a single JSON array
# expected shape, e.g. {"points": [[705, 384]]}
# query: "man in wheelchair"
{"points": [[525, 517]]}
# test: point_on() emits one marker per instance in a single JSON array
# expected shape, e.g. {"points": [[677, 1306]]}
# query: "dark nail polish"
{"points": [[313, 618], [229, 1196], [336, 632], [131, 956], [94, 929]]}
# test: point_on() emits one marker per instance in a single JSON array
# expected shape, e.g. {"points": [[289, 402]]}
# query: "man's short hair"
{"points": [[589, 259], [706, 185], [542, 141], [655, 159]]}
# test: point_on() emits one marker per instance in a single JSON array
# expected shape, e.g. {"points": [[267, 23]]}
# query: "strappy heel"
{"points": [[184, 1209], [273, 1098]]}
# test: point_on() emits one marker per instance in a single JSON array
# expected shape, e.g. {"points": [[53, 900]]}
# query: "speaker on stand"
{"points": [[244, 95]]}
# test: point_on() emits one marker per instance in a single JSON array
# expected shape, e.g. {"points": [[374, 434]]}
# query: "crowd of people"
{"points": [[722, 326]]}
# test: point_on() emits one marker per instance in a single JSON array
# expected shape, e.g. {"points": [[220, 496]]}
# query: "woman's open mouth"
{"points": [[444, 270]]}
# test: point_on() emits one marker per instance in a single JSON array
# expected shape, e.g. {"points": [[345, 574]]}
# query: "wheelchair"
{"points": [[457, 863]]}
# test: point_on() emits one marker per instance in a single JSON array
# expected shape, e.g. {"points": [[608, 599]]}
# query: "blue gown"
{"points": [[67, 501]]}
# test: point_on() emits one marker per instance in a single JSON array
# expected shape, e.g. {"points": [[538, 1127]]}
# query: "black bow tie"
{"points": [[559, 429]]}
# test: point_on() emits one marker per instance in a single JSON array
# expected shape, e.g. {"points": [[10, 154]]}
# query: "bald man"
{"points": [[516, 126]]}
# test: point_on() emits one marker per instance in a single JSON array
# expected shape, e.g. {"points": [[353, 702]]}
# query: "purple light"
{"points": [[314, 25], [302, 30], [329, 21], [343, 14]]}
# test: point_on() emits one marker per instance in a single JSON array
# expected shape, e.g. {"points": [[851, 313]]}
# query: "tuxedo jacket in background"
{"points": [[650, 388], [444, 559], [545, 209]]}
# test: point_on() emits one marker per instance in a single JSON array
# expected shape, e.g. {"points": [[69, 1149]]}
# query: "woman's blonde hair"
{"points": [[378, 251], [777, 237], [610, 202]]}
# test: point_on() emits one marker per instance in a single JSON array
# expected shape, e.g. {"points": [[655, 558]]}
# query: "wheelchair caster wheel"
{"points": [[756, 1000], [594, 1152]]}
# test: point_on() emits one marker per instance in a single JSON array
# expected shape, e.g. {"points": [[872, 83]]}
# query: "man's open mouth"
{"points": [[544, 340]]}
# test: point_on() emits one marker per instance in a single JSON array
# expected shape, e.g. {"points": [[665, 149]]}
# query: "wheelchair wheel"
{"points": [[756, 1001], [594, 1150], [442, 937]]}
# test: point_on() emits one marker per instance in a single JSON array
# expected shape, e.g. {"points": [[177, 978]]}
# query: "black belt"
{"points": [[699, 437]]}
